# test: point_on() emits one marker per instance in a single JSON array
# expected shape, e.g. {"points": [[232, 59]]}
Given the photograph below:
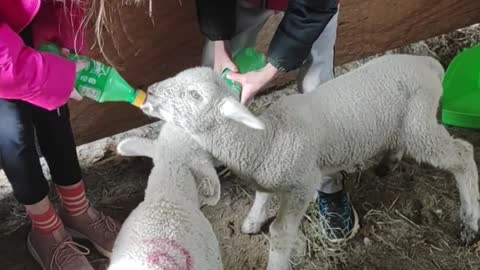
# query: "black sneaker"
{"points": [[340, 220]]}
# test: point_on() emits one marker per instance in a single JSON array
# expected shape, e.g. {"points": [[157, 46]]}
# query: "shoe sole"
{"points": [[356, 227], [79, 235], [34, 253]]}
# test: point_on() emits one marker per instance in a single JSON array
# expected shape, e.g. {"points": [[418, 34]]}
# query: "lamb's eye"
{"points": [[195, 95]]}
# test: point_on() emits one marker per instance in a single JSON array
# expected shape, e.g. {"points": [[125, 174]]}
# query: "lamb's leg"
{"points": [[389, 162], [258, 214], [438, 148], [284, 229]]}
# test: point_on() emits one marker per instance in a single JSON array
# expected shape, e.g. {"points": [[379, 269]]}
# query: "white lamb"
{"points": [[388, 104], [167, 231]]}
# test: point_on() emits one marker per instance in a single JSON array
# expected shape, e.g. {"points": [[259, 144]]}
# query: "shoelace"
{"points": [[332, 211], [325, 204], [65, 252], [330, 215], [105, 224]]}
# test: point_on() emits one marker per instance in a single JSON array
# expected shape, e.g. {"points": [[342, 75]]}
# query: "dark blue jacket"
{"points": [[302, 24]]}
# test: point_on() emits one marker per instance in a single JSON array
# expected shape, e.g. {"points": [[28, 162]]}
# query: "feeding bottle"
{"points": [[246, 60], [100, 82]]}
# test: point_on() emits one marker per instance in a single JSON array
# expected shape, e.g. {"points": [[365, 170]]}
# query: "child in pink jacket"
{"points": [[34, 91]]}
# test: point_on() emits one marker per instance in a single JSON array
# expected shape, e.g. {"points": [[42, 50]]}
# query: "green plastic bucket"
{"points": [[461, 90]]}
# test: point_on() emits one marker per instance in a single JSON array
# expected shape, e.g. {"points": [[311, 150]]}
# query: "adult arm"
{"points": [[302, 24]]}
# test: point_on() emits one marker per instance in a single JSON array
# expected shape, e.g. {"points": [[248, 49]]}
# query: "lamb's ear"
{"points": [[136, 146], [208, 184], [232, 109]]}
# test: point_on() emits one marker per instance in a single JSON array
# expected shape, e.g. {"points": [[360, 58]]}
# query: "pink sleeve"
{"points": [[42, 79]]}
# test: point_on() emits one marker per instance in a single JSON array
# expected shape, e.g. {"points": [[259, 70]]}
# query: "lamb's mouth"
{"points": [[156, 112], [147, 107]]}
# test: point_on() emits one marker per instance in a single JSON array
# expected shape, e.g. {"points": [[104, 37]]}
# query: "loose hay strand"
{"points": [[320, 252]]}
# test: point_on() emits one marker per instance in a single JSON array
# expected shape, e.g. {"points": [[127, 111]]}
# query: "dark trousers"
{"points": [[20, 122], [18, 155]]}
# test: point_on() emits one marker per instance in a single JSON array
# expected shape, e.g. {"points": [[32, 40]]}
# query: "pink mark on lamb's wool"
{"points": [[168, 254]]}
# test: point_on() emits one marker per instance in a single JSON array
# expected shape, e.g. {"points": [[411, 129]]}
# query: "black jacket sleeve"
{"points": [[217, 18], [300, 27]]}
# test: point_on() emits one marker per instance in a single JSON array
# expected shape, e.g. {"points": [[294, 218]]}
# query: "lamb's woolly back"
{"points": [[167, 230], [435, 65]]}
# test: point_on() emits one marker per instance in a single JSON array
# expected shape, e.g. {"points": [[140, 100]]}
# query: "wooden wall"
{"points": [[147, 50]]}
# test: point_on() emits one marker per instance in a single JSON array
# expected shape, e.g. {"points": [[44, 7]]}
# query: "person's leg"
{"points": [[341, 221], [57, 145], [56, 141], [22, 167], [319, 67], [18, 155], [249, 23]]}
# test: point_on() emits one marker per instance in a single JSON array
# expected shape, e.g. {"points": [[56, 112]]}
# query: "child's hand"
{"points": [[254, 81], [80, 65], [222, 57]]}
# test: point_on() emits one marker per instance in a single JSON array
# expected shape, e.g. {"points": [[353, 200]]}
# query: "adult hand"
{"points": [[254, 81], [223, 57]]}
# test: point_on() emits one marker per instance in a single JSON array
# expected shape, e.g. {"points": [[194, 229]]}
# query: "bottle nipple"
{"points": [[140, 98]]}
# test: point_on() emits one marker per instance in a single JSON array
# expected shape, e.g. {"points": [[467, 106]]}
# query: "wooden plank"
{"points": [[375, 26], [143, 51], [146, 51]]}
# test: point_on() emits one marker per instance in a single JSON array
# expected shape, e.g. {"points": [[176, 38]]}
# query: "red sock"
{"points": [[47, 222], [74, 200]]}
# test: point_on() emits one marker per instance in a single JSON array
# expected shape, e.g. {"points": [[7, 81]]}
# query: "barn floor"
{"points": [[409, 219]]}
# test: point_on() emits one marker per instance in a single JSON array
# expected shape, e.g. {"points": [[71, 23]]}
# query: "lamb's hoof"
{"points": [[469, 236], [251, 227]]}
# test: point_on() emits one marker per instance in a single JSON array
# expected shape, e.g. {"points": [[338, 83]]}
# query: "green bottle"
{"points": [[100, 82], [246, 60]]}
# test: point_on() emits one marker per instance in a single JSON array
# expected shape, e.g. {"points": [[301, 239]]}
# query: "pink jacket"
{"points": [[42, 79]]}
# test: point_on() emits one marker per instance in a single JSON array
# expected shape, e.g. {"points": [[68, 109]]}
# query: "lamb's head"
{"points": [[196, 100], [206, 179]]}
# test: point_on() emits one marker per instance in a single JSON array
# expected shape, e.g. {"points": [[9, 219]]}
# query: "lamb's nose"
{"points": [[147, 107]]}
